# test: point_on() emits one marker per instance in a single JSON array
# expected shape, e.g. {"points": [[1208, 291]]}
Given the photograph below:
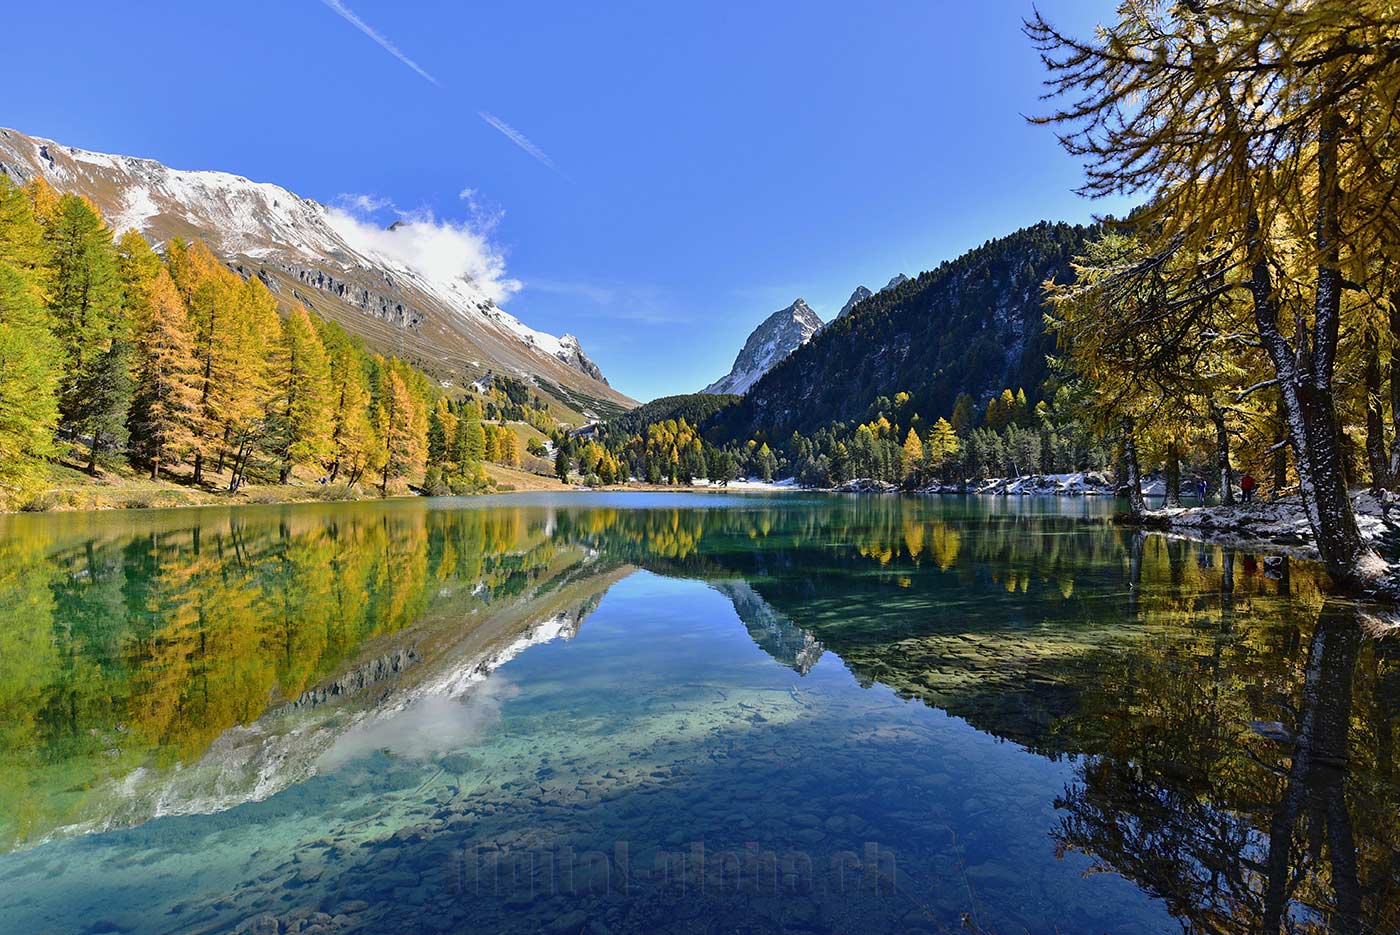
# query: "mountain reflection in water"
{"points": [[1218, 733]]}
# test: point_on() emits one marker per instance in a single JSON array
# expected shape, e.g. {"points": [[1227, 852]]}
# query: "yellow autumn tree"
{"points": [[167, 398], [912, 456], [402, 432]]}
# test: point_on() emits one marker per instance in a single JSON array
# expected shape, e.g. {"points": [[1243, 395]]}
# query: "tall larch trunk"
{"points": [[1222, 456], [1137, 506], [1394, 472], [1305, 379], [1173, 472], [1375, 417], [1280, 465]]}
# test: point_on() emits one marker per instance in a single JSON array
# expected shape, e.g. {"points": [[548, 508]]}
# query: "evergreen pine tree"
{"points": [[107, 390], [85, 295]]}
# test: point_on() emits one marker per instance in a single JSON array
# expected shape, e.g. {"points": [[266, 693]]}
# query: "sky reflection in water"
{"points": [[688, 713]]}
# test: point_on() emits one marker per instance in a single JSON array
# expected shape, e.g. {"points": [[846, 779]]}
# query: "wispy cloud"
{"points": [[349, 16], [518, 138]]}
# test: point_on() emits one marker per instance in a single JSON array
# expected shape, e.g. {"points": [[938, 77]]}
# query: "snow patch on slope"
{"points": [[778, 336], [454, 262]]}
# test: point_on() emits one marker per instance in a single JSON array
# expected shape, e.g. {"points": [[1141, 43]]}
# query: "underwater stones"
{"points": [[570, 922], [265, 924]]}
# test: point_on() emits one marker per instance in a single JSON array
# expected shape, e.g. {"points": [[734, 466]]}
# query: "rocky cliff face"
{"points": [[858, 296], [779, 637], [448, 324], [778, 336]]}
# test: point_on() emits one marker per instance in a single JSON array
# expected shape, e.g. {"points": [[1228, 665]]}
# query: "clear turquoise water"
{"points": [[637, 713]]}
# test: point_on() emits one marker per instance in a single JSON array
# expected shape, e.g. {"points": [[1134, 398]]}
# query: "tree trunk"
{"points": [[1222, 456], [223, 450], [1173, 478], [285, 472], [155, 468], [198, 468], [1305, 374], [1394, 473], [1317, 778], [1375, 418], [1137, 506], [335, 471], [92, 453], [1280, 449]]}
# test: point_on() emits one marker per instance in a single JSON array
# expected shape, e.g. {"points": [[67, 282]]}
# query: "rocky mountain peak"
{"points": [[860, 294], [778, 336]]}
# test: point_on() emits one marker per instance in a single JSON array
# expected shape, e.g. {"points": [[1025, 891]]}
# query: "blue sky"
{"points": [[659, 176]]}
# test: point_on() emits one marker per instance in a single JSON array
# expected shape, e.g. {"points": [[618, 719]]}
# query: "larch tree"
{"points": [[249, 365], [224, 341], [352, 433], [22, 244], [137, 268], [1240, 122], [84, 295], [942, 444], [30, 365], [402, 431], [912, 456], [166, 402], [301, 419]]}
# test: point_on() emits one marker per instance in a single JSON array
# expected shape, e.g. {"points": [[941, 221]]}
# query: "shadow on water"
{"points": [[339, 714]]}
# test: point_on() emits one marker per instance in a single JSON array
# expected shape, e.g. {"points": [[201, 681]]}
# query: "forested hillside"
{"points": [[695, 408], [112, 354], [973, 325]]}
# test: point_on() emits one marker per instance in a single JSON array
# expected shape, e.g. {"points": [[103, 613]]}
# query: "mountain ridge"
{"points": [[974, 324], [451, 327], [775, 338]]}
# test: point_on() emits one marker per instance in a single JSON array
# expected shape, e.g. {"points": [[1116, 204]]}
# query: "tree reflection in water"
{"points": [[1289, 825], [1230, 728]]}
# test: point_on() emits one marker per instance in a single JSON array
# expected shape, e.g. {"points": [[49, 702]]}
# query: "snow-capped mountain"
{"points": [[861, 293], [367, 279], [780, 334]]}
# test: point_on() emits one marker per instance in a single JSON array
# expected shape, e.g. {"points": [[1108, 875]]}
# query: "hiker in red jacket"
{"points": [[1247, 485]]}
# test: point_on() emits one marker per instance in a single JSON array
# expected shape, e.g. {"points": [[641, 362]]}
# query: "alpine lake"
{"points": [[692, 713]]}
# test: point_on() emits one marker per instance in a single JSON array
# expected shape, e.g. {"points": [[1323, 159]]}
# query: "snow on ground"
{"points": [[787, 483], [1076, 484], [1279, 522]]}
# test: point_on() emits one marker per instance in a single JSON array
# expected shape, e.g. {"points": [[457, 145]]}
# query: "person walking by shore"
{"points": [[1202, 488], [1247, 485]]}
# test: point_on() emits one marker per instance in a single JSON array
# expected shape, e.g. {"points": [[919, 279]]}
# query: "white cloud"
{"points": [[349, 16], [427, 728], [444, 251], [367, 204]]}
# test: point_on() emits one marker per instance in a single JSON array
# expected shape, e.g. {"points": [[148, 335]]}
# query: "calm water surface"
{"points": [[653, 713]]}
